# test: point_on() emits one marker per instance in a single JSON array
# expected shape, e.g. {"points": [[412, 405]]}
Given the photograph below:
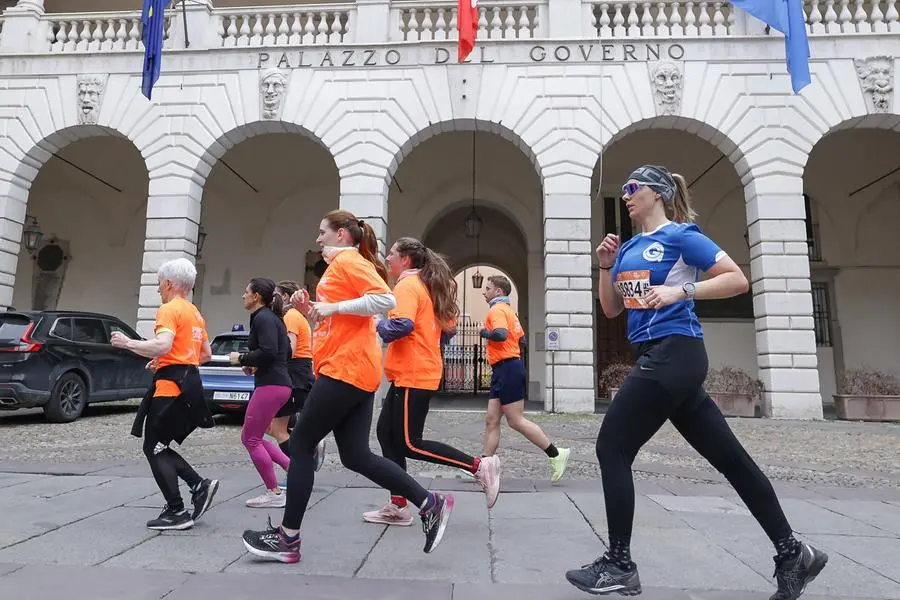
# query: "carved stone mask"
{"points": [[272, 86], [667, 80]]}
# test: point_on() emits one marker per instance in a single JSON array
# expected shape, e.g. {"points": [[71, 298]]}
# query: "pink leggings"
{"points": [[265, 402]]}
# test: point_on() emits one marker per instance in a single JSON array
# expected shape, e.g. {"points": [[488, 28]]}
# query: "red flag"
{"points": [[467, 24]]}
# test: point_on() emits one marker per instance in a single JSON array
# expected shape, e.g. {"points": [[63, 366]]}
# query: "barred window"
{"points": [[812, 232], [821, 314]]}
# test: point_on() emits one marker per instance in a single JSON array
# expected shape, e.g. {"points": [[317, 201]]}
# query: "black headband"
{"points": [[657, 178]]}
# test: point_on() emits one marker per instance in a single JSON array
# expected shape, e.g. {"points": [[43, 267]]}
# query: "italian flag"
{"points": [[467, 24]]}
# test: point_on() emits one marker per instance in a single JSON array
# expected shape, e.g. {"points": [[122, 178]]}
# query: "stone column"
{"points": [[569, 297], [173, 218], [366, 197], [13, 200], [782, 301]]}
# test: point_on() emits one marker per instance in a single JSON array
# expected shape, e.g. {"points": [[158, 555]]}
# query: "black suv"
{"points": [[61, 360]]}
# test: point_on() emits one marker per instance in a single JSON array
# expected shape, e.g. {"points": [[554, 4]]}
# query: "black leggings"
{"points": [[346, 410], [166, 464], [400, 427], [666, 384]]}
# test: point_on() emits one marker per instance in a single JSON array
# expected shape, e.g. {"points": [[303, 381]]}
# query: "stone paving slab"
{"points": [[106, 583], [35, 582], [881, 515], [743, 538], [464, 555], [700, 504], [684, 543]]}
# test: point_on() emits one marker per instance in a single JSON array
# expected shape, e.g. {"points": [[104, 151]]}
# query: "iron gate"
{"points": [[466, 369]]}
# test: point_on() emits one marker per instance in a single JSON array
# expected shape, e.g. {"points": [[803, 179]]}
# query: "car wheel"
{"points": [[67, 400]]}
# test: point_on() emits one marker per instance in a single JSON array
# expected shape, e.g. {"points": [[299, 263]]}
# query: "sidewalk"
{"points": [[82, 534]]}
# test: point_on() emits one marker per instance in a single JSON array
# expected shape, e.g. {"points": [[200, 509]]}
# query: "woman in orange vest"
{"points": [[425, 314], [347, 362]]}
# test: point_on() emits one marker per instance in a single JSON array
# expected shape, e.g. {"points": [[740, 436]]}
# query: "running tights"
{"points": [[400, 428], [264, 404], [642, 406], [166, 464], [335, 406]]}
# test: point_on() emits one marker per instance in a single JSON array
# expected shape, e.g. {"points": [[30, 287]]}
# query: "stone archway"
{"points": [[705, 159], [431, 196], [261, 219], [85, 187], [852, 186]]}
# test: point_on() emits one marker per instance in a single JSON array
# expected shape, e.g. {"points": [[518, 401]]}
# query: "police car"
{"points": [[225, 387]]}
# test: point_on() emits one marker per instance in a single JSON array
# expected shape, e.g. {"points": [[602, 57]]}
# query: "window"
{"points": [[62, 329], [616, 219], [90, 331], [812, 232], [13, 327], [821, 314], [222, 344], [126, 331]]}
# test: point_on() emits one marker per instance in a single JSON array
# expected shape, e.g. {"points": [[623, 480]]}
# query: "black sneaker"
{"points": [[203, 497], [169, 519], [605, 577], [434, 520], [272, 545], [795, 573]]}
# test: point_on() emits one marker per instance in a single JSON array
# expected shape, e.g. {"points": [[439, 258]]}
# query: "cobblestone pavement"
{"points": [[829, 453]]}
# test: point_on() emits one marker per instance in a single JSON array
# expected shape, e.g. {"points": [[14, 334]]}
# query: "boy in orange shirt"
{"points": [[504, 335], [426, 299]]}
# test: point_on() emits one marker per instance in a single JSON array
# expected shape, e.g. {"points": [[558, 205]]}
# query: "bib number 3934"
{"points": [[634, 285]]}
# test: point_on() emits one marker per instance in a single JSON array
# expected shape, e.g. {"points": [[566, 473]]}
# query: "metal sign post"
{"points": [[552, 345]]}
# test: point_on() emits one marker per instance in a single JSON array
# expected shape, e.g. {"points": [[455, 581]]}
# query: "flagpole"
{"points": [[187, 41]]}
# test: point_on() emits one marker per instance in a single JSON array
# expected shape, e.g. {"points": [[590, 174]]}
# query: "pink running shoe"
{"points": [[488, 475], [390, 514]]}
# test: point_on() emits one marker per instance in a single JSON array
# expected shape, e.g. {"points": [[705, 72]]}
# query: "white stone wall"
{"points": [[369, 120]]}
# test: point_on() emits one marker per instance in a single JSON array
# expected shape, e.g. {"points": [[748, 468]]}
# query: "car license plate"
{"points": [[231, 396]]}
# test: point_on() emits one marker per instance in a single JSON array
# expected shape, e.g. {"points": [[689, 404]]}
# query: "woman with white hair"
{"points": [[174, 406]]}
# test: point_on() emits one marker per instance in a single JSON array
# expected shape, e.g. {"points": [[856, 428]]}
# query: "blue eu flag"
{"points": [[786, 16], [153, 21]]}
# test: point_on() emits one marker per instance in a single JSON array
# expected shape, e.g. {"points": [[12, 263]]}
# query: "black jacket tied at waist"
{"points": [[184, 414]]}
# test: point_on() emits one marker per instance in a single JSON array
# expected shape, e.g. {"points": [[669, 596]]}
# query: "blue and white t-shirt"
{"points": [[672, 255]]}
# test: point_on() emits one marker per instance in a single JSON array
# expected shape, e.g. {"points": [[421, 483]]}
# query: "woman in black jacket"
{"points": [[269, 351]]}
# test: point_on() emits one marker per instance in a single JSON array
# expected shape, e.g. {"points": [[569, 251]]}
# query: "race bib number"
{"points": [[634, 285]]}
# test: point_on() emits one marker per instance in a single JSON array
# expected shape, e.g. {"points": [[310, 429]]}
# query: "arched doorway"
{"points": [[261, 218], [718, 198], [851, 186], [453, 179], [466, 370], [89, 201]]}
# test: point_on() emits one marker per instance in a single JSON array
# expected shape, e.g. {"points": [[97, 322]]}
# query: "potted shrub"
{"points": [[734, 391], [867, 395], [612, 377]]}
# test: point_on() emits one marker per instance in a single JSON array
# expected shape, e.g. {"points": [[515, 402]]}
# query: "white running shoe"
{"points": [[268, 500]]}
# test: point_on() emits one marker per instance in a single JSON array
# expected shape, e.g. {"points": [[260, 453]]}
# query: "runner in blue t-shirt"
{"points": [[654, 277]]}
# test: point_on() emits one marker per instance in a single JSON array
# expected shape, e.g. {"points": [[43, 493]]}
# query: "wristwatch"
{"points": [[689, 289]]}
